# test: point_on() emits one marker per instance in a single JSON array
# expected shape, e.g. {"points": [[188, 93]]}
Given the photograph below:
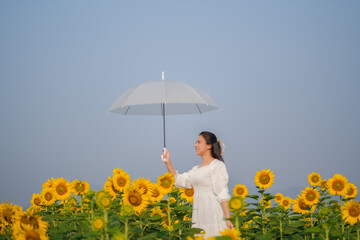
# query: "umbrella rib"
{"points": [[198, 109], [127, 110]]}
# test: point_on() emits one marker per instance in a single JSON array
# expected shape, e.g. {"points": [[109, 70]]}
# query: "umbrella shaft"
{"points": [[163, 113]]}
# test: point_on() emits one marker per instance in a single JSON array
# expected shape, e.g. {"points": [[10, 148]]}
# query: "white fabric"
{"points": [[210, 189]]}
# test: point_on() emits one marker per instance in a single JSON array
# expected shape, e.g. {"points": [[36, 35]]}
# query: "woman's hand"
{"points": [[165, 157], [229, 224]]}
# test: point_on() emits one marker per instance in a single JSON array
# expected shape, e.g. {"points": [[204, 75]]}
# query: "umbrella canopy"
{"points": [[163, 97], [148, 99]]}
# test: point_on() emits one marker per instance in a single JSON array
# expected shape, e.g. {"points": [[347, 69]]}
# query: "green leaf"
{"points": [[256, 197], [313, 230]]}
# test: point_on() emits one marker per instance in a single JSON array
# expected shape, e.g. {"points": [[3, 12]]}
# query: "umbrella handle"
{"points": [[162, 157]]}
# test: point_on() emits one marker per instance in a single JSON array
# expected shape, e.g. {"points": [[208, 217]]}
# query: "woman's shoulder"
{"points": [[217, 163]]}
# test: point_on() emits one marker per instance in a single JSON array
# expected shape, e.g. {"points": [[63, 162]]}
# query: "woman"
{"points": [[209, 180]]}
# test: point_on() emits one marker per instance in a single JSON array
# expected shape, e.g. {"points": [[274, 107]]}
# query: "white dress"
{"points": [[210, 189]]}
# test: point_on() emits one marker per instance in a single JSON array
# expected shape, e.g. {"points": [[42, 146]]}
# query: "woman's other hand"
{"points": [[229, 224]]}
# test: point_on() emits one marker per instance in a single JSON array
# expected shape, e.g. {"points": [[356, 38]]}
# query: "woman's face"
{"points": [[201, 147]]}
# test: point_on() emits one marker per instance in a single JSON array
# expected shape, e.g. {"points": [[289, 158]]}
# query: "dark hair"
{"points": [[211, 139]]}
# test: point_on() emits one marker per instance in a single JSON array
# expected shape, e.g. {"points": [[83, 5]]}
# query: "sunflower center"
{"points": [[135, 199], [37, 201], [143, 186], [354, 211], [166, 183], [105, 201], [155, 193], [338, 186], [121, 182], [303, 205], [7, 214], [48, 196], [98, 224], [236, 204], [315, 179], [350, 191], [189, 192], [264, 179], [310, 196], [240, 191], [61, 189], [31, 235], [285, 203], [80, 187]]}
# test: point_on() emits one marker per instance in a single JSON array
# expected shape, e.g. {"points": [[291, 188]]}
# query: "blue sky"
{"points": [[286, 75]]}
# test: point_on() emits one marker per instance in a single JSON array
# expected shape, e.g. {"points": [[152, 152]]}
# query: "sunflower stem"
{"points": [[126, 228], [169, 216], [281, 230], [312, 224], [342, 222], [105, 227]]}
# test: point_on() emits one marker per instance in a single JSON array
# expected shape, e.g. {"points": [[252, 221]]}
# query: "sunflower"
{"points": [[165, 223], [2, 229], [36, 199], [100, 194], [120, 179], [351, 212], [30, 219], [110, 188], [186, 218], [49, 183], [266, 204], [62, 189], [166, 182], [286, 202], [236, 203], [187, 194], [135, 197], [171, 200], [300, 206], [156, 194], [80, 187], [310, 196], [144, 184], [8, 212], [323, 185], [104, 201], [98, 224], [72, 203], [119, 236], [126, 210], [351, 191], [264, 178], [314, 179], [48, 196], [240, 190], [157, 211], [233, 233], [199, 237], [337, 185], [27, 232], [278, 197]]}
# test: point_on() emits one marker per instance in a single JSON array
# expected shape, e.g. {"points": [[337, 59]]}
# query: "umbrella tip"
{"points": [[163, 76]]}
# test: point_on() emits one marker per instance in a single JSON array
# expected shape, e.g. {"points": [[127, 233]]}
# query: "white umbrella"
{"points": [[163, 97]]}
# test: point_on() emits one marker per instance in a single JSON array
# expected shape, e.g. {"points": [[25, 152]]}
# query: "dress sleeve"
{"points": [[183, 180], [220, 179]]}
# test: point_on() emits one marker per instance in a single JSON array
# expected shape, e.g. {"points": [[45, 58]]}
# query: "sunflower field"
{"points": [[140, 209]]}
